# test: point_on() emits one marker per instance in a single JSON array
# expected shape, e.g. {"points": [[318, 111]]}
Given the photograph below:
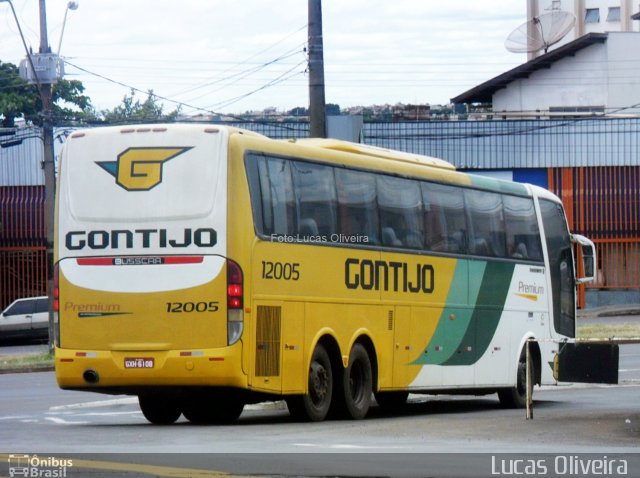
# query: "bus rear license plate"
{"points": [[139, 362]]}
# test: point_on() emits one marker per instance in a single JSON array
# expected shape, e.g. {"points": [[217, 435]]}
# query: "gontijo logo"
{"points": [[140, 169]]}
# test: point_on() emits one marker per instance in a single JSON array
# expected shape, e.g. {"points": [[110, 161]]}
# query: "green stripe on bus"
{"points": [[456, 316], [464, 333], [485, 318]]}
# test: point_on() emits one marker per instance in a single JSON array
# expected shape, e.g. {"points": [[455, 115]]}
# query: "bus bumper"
{"points": [[116, 371]]}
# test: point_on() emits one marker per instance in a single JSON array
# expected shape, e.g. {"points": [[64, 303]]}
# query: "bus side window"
{"points": [[400, 207], [315, 192], [357, 205], [487, 223], [259, 190], [521, 226], [280, 191], [272, 197], [444, 218]]}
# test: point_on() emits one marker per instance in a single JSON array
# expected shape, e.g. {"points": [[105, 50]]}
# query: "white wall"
{"points": [[623, 50], [573, 6], [604, 74]]}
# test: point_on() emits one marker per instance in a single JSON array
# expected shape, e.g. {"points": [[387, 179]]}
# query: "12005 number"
{"points": [[280, 270], [187, 307]]}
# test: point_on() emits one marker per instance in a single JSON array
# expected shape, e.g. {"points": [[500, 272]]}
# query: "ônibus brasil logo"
{"points": [[140, 169]]}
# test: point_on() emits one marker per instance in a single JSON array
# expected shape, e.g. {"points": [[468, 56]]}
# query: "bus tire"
{"points": [[314, 406], [391, 400], [159, 409], [516, 397], [357, 383], [213, 408]]}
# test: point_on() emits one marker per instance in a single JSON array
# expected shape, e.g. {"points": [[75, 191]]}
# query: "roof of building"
{"points": [[483, 93]]}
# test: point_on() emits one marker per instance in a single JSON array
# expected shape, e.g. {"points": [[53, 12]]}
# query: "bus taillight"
{"points": [[235, 302], [56, 289], [56, 304]]}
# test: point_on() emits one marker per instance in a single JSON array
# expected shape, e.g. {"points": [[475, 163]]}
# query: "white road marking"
{"points": [[62, 421], [96, 404], [347, 446]]}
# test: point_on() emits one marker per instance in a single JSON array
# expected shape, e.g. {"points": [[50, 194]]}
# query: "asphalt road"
{"points": [[434, 436]]}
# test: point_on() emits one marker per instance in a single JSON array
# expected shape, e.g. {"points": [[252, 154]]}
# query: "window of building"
{"points": [[592, 15], [614, 14]]}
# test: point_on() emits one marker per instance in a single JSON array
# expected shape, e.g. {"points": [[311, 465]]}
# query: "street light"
{"points": [[72, 5]]}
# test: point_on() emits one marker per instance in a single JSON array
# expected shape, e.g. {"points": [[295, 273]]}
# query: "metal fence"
{"points": [[603, 203], [498, 144]]}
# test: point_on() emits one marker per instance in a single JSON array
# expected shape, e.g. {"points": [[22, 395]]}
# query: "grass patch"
{"points": [[605, 331], [26, 361]]}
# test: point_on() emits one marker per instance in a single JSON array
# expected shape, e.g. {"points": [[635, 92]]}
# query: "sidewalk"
{"points": [[611, 313]]}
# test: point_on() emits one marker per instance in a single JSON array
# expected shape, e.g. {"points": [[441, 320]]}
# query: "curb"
{"points": [[29, 369]]}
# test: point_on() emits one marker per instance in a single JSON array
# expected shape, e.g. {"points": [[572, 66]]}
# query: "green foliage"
{"points": [[19, 99], [132, 110], [67, 94], [332, 109]]}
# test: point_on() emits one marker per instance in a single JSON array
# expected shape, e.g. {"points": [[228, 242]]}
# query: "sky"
{"points": [[233, 56]]}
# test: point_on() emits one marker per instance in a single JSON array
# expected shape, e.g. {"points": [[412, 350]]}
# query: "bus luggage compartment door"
{"points": [[587, 363]]}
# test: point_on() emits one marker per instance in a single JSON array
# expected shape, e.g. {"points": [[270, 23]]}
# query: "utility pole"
{"points": [[49, 169], [317, 115], [43, 70]]}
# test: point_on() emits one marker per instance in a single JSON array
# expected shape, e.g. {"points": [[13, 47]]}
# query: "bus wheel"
{"points": [[213, 408], [314, 406], [516, 397], [357, 383], [159, 409], [391, 400]]}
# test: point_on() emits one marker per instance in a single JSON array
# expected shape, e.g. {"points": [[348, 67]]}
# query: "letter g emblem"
{"points": [[140, 169]]}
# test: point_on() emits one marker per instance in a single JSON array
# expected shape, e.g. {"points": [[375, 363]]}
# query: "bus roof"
{"points": [[373, 151]]}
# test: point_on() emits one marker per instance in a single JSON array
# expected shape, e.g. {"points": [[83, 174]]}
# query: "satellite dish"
{"points": [[540, 32]]}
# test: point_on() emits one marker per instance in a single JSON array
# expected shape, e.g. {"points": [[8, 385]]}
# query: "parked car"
{"points": [[25, 318]]}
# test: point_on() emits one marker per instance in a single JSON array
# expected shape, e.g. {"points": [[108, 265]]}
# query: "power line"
{"points": [[273, 82]]}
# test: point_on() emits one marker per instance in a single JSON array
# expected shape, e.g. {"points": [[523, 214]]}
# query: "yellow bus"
{"points": [[204, 267]]}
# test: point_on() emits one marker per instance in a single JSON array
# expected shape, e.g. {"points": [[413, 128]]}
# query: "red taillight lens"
{"points": [[56, 289], [235, 291]]}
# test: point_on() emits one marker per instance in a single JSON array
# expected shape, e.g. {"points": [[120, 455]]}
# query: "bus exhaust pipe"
{"points": [[91, 376]]}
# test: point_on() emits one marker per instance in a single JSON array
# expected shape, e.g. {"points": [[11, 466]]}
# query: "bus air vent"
{"points": [[268, 341]]}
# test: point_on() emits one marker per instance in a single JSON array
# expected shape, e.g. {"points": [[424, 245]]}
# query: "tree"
{"points": [[298, 111], [131, 110], [20, 99], [332, 109], [68, 93], [17, 97]]}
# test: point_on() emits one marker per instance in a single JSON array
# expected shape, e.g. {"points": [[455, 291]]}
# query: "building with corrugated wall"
{"points": [[23, 268]]}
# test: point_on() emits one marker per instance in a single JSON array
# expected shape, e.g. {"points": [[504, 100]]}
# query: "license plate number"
{"points": [[139, 362]]}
